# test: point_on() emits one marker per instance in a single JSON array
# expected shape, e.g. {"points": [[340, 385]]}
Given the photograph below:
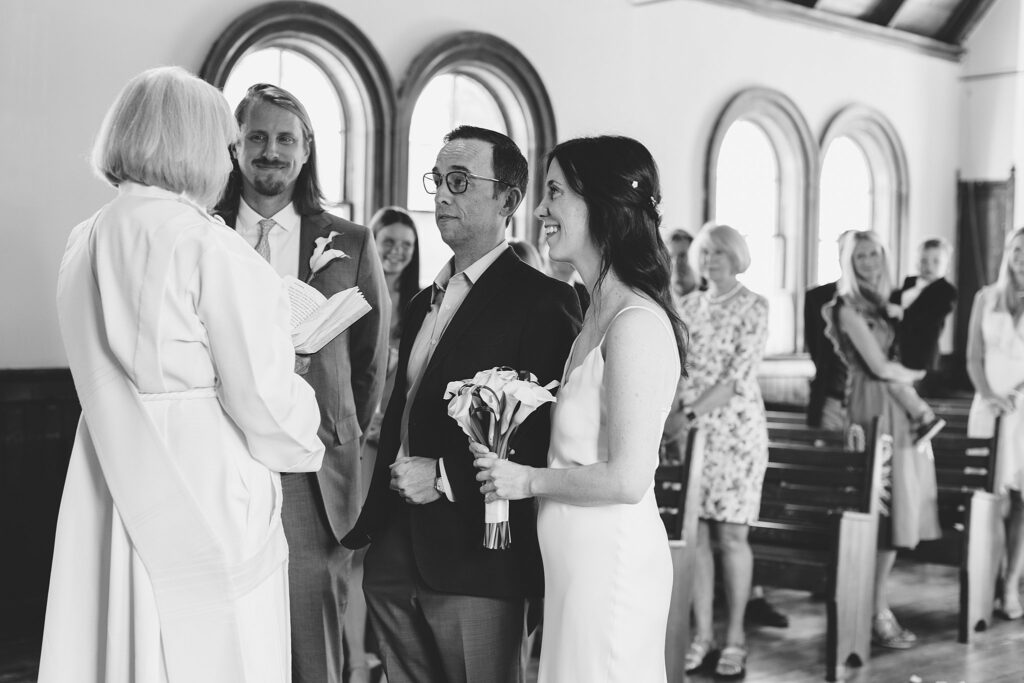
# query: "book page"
{"points": [[329, 320], [304, 299]]}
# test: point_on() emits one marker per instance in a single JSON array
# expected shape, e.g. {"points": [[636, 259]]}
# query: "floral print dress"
{"points": [[727, 339]]}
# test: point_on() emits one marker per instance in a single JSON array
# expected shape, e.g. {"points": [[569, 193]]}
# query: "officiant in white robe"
{"points": [[170, 563]]}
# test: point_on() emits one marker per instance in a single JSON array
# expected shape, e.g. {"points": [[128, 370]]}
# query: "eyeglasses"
{"points": [[457, 181]]}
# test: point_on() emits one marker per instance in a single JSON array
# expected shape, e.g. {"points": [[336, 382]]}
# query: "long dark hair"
{"points": [[409, 280], [618, 180], [307, 196]]}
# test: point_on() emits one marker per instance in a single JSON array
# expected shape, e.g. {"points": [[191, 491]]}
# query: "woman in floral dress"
{"points": [[728, 328]]}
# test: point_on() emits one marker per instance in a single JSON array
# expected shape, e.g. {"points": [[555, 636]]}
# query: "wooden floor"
{"points": [[924, 598]]}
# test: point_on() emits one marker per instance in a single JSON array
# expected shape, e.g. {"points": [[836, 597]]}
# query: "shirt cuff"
{"points": [[444, 483]]}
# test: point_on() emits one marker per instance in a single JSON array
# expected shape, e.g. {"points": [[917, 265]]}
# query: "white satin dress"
{"points": [[1004, 370], [607, 569]]}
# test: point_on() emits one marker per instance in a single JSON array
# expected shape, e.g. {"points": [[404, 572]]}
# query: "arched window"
{"points": [[761, 158], [476, 79], [863, 186], [330, 66]]}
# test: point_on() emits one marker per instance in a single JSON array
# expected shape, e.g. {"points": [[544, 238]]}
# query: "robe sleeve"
{"points": [[243, 305]]}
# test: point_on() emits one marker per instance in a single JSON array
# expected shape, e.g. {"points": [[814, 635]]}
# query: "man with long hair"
{"points": [[274, 201]]}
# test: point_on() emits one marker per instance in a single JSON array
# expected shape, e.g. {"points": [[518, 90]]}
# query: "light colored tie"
{"points": [[263, 243]]}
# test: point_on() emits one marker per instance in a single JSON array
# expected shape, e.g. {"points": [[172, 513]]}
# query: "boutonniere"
{"points": [[323, 255]]}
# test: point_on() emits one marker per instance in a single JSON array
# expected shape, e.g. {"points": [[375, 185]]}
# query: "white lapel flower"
{"points": [[323, 254]]}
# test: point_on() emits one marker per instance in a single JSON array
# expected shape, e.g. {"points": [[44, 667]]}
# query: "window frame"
{"points": [[309, 29]]}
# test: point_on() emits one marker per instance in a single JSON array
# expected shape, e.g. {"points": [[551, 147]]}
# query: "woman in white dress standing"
{"points": [[995, 362], [607, 570], [170, 563]]}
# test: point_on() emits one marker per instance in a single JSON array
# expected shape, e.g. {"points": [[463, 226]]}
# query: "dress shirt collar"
{"points": [[472, 272], [287, 218]]}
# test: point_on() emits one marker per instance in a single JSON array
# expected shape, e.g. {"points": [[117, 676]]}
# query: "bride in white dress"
{"points": [[607, 570]]}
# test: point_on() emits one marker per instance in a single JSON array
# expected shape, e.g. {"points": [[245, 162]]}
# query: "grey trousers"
{"points": [[430, 637], [318, 569]]}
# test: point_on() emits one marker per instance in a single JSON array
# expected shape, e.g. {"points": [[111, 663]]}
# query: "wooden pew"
{"points": [[968, 509], [677, 490], [802, 434], [969, 513], [786, 417], [818, 532]]}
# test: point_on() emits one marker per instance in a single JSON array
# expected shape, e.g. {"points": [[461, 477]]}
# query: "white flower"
{"points": [[323, 254]]}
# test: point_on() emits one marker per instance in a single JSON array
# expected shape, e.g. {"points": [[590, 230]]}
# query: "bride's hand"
{"points": [[500, 479]]}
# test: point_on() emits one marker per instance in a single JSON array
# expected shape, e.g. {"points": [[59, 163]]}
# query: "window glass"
{"points": [[846, 201], [747, 198]]}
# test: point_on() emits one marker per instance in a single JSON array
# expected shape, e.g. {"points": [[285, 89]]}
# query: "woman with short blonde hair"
{"points": [[721, 397], [168, 129], [725, 238], [170, 561]]}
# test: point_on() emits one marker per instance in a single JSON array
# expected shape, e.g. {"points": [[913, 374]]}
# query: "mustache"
{"points": [[265, 162]]}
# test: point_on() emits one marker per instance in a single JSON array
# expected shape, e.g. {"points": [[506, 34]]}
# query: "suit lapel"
{"points": [[480, 296], [310, 228]]}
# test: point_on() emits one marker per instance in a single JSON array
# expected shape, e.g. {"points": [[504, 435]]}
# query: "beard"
{"points": [[269, 187]]}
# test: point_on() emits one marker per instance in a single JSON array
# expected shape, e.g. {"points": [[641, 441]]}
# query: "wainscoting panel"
{"points": [[38, 416]]}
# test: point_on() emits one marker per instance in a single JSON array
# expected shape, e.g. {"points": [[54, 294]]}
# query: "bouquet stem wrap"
{"points": [[490, 408]]}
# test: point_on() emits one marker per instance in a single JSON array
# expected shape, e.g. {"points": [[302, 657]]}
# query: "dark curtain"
{"points": [[984, 218]]}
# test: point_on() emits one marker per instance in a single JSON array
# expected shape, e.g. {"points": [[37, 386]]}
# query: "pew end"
{"points": [[677, 489]]}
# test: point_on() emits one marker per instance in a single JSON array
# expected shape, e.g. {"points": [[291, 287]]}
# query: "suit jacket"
{"points": [[917, 335], [829, 379], [348, 373], [513, 316]]}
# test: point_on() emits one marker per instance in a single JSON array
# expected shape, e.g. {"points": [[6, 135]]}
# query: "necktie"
{"points": [[263, 243]]}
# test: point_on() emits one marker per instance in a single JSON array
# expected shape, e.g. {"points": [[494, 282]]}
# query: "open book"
{"points": [[316, 319]]}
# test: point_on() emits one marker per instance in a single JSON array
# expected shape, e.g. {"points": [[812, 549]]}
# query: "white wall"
{"points": [[660, 72], [991, 139]]}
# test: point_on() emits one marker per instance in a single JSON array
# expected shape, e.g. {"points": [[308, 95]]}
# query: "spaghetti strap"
{"points": [[668, 328]]}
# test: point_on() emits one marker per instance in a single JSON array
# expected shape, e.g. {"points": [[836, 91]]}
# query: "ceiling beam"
{"points": [[884, 11], [784, 10], [966, 16]]}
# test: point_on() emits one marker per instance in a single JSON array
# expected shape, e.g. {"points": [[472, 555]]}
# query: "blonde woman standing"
{"points": [[995, 362]]}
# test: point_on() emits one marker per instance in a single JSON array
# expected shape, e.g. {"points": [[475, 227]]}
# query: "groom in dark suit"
{"points": [[445, 609], [274, 202]]}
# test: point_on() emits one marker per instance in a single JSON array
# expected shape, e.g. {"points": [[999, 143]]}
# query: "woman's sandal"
{"points": [[732, 663], [697, 655], [887, 632], [1011, 608]]}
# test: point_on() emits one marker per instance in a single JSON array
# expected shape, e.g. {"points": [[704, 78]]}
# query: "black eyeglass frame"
{"points": [[431, 185]]}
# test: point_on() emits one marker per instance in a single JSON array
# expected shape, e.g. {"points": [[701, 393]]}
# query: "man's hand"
{"points": [[413, 479]]}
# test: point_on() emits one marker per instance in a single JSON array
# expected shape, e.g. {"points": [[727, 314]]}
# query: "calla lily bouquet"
{"points": [[490, 408]]}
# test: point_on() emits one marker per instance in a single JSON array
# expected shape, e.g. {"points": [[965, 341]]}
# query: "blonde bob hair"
{"points": [[723, 237], [1006, 283], [171, 130], [857, 289]]}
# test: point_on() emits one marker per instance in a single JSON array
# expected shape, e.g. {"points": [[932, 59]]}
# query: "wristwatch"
{"points": [[438, 481]]}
